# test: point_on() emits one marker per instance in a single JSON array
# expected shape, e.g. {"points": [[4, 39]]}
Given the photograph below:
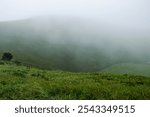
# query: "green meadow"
{"points": [[25, 82]]}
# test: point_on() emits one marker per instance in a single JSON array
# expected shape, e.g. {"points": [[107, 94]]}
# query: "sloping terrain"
{"points": [[67, 44], [22, 82], [51, 44]]}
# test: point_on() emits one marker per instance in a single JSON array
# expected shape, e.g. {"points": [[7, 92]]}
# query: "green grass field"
{"points": [[22, 82]]}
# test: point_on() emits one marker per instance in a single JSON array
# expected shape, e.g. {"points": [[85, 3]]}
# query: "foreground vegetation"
{"points": [[22, 82]]}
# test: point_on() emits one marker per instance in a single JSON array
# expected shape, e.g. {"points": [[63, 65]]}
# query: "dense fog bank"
{"points": [[71, 43]]}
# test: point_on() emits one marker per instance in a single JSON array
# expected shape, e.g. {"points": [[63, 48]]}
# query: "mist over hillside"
{"points": [[73, 44]]}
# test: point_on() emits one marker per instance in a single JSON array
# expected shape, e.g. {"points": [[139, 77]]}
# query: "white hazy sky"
{"points": [[133, 14], [104, 9]]}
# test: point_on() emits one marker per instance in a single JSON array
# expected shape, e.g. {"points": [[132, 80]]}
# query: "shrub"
{"points": [[7, 56]]}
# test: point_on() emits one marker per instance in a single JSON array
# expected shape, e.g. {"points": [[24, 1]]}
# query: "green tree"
{"points": [[7, 56]]}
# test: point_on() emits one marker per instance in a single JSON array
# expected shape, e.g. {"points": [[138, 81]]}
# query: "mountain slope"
{"points": [[67, 43], [51, 44]]}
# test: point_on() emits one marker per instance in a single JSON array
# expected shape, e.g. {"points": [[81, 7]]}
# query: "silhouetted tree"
{"points": [[7, 56]]}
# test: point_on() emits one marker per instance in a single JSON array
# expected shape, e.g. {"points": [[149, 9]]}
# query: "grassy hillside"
{"points": [[71, 45], [129, 68], [22, 82], [66, 44], [50, 45]]}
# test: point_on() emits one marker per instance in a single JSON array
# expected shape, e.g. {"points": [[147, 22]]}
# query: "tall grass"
{"points": [[21, 82]]}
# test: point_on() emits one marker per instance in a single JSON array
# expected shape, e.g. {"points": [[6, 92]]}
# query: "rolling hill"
{"points": [[69, 44], [71, 59], [50, 44]]}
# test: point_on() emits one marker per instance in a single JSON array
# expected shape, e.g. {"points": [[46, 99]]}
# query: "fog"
{"points": [[92, 33], [125, 14]]}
